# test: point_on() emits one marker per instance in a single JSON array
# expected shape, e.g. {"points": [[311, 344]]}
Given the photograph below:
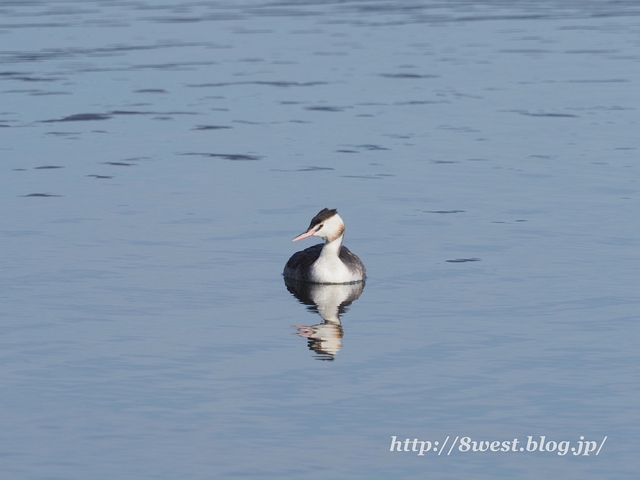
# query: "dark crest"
{"points": [[322, 215]]}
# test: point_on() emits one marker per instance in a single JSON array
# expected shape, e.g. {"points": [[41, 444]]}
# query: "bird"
{"points": [[330, 262]]}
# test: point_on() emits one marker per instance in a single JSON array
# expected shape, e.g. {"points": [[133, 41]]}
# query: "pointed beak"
{"points": [[306, 234]]}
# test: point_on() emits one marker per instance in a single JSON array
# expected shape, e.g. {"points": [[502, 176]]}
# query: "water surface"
{"points": [[159, 156]]}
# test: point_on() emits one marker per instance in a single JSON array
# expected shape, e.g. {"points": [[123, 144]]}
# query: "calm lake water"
{"points": [[158, 157]]}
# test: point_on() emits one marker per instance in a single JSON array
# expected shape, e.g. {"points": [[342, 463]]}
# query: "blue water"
{"points": [[158, 157]]}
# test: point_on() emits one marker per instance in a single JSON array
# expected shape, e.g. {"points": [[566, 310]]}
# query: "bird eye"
{"points": [[320, 226]]}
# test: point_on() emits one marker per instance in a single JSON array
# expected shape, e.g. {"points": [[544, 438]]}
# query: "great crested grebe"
{"points": [[329, 262]]}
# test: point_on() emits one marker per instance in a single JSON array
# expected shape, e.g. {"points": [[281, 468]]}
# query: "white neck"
{"points": [[332, 248]]}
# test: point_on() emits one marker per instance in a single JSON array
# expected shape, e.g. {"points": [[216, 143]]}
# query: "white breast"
{"points": [[330, 269]]}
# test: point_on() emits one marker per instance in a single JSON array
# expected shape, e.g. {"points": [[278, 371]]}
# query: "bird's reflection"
{"points": [[329, 301]]}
